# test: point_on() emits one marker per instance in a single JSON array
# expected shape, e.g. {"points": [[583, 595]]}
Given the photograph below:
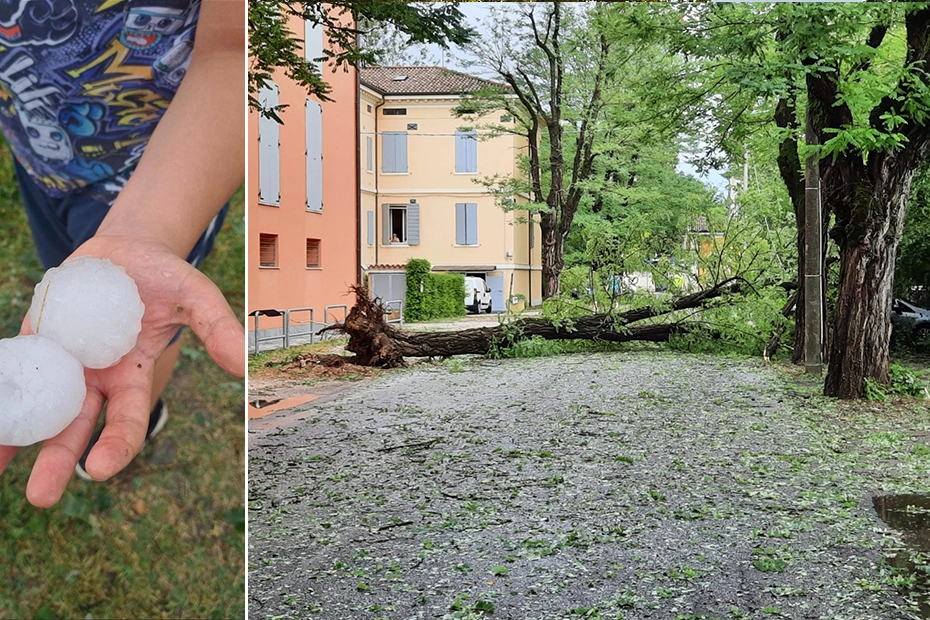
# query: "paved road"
{"points": [[628, 485]]}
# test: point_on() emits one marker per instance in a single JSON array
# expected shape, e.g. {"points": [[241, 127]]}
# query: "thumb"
{"points": [[214, 322]]}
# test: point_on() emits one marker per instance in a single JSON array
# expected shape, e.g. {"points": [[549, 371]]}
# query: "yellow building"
{"points": [[419, 198]]}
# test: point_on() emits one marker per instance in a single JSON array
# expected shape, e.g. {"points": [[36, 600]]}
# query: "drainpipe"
{"points": [[529, 258], [358, 174], [375, 163]]}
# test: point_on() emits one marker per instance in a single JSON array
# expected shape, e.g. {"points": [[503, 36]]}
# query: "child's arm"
{"points": [[191, 166], [195, 159]]}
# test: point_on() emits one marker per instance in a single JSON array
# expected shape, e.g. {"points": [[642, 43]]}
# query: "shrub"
{"points": [[433, 295]]}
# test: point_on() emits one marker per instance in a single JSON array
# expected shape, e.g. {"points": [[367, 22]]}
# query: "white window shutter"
{"points": [[269, 152], [314, 118], [471, 223], [400, 151], [385, 224], [413, 222], [466, 151], [371, 228], [460, 226], [313, 44]]}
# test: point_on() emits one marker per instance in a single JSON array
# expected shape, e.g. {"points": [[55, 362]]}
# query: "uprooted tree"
{"points": [[377, 343]]}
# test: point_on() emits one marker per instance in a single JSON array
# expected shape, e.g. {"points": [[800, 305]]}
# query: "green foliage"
{"points": [[740, 325], [540, 347], [418, 270], [432, 295], [903, 382]]}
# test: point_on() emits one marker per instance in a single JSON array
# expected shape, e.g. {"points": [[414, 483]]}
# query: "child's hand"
{"points": [[174, 293]]}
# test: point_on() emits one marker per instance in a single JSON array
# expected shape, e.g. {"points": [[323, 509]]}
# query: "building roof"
{"points": [[422, 81]]}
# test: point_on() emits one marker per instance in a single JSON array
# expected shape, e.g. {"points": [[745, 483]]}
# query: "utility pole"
{"points": [[746, 171], [813, 285]]}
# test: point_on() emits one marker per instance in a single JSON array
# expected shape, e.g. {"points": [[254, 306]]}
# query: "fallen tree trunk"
{"points": [[376, 343]]}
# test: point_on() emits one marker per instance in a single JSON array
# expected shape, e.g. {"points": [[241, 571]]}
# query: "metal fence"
{"points": [[303, 332]]}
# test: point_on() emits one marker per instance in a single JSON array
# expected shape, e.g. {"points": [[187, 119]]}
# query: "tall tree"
{"points": [[873, 146], [560, 63], [868, 96]]}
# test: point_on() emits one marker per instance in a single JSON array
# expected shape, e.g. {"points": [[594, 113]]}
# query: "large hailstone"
{"points": [[41, 390], [91, 308]]}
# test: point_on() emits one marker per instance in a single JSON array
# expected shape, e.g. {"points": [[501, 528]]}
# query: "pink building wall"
{"points": [[291, 283]]}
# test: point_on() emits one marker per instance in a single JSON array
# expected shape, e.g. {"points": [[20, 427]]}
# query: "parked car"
{"points": [[477, 295], [914, 319]]}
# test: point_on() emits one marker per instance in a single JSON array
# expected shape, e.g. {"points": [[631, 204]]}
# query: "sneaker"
{"points": [[157, 419]]}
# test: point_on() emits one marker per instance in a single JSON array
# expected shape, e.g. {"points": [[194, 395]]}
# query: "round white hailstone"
{"points": [[91, 308], [41, 388]]}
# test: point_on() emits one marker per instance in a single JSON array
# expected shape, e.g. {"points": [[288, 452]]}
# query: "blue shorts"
{"points": [[60, 225]]}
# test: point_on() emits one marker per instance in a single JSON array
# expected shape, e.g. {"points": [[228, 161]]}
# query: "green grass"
{"points": [[163, 539]]}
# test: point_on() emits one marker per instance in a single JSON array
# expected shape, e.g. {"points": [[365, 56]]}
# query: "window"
{"points": [[369, 154], [411, 126], [269, 171], [368, 106], [267, 250], [401, 224], [394, 111], [313, 254], [466, 223], [314, 118], [466, 151], [398, 224], [394, 151]]}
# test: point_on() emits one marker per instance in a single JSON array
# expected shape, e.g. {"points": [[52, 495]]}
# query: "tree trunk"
{"points": [[789, 166], [482, 340], [868, 230], [552, 256]]}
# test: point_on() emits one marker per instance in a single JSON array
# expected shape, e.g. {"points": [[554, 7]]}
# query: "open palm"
{"points": [[174, 294]]}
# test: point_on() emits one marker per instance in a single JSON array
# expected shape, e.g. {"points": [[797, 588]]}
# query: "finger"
{"points": [[214, 322], [6, 455], [127, 420], [55, 464]]}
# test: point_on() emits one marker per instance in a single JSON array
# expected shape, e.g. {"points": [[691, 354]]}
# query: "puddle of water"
{"points": [[259, 408], [910, 514]]}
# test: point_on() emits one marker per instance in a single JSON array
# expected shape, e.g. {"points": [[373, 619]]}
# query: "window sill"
{"points": [[320, 211], [396, 174], [474, 245], [395, 245], [268, 267], [314, 269], [269, 204], [465, 174]]}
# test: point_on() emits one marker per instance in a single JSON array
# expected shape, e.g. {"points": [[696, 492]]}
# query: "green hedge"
{"points": [[442, 295]]}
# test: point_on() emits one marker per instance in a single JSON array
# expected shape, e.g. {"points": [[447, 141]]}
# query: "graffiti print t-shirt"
{"points": [[83, 83]]}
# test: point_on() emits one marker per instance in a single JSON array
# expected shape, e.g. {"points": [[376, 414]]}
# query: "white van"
{"points": [[477, 295]]}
